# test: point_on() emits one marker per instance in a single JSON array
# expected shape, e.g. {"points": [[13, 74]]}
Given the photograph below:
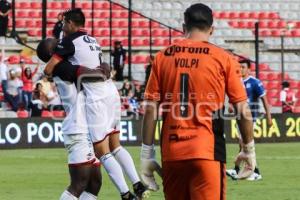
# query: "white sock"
{"points": [[66, 195], [127, 164], [87, 196], [114, 171]]}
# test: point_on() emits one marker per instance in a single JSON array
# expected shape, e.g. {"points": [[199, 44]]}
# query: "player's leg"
{"points": [[95, 182], [209, 180], [80, 158], [125, 160]]}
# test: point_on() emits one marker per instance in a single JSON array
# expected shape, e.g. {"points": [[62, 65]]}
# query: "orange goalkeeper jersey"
{"points": [[190, 79]]}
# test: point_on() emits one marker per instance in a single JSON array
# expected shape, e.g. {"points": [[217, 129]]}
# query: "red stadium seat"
{"points": [[124, 14], [115, 15], [140, 59], [293, 84], [124, 32], [273, 93], [33, 32], [253, 15], [46, 113], [54, 5], [263, 76], [145, 33], [281, 24], [233, 15], [250, 24], [295, 33], [102, 33], [143, 24], [123, 23], [273, 85], [272, 24], [216, 14], [158, 32], [297, 109], [223, 15], [276, 33], [263, 15], [155, 24], [137, 42], [22, 114], [264, 67], [31, 24], [263, 24], [136, 15], [20, 23], [25, 5], [297, 24], [233, 24], [244, 15], [105, 5], [103, 24], [104, 42], [273, 15], [137, 32], [274, 102], [116, 33], [273, 76], [117, 7], [35, 14], [146, 42], [97, 5], [22, 14], [135, 24], [35, 5], [86, 5], [58, 113], [52, 14], [242, 24], [115, 24], [177, 33], [265, 33], [65, 5], [104, 15]]}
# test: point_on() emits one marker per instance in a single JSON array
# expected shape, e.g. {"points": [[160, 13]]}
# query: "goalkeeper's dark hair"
{"points": [[198, 16], [45, 49], [75, 15], [245, 61]]}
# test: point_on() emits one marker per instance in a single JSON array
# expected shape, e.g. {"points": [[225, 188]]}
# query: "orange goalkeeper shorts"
{"points": [[194, 180]]}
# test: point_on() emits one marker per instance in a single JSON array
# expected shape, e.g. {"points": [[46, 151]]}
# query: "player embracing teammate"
{"points": [[97, 109]]}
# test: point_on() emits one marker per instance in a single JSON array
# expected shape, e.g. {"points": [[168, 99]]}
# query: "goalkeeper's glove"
{"points": [[148, 166], [247, 160]]}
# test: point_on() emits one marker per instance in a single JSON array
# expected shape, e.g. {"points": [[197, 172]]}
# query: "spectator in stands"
{"points": [[3, 76], [42, 95], [27, 89], [57, 30], [13, 87], [287, 98], [119, 54], [5, 8], [138, 92], [36, 105], [148, 68], [133, 105], [126, 88], [46, 85], [54, 102]]}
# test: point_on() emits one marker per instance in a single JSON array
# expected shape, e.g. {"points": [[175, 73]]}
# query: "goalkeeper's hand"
{"points": [[247, 160], [148, 166]]}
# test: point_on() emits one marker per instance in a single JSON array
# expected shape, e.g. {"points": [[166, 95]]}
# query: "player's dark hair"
{"points": [[45, 48], [75, 15], [198, 16], [285, 84], [245, 61]]}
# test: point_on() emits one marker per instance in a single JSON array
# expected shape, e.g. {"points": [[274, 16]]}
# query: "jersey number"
{"points": [[184, 94]]}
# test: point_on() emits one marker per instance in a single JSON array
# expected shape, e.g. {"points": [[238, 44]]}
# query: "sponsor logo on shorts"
{"points": [[177, 138]]}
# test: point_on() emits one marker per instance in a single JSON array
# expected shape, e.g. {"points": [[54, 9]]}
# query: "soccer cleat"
{"points": [[141, 191], [232, 173], [128, 196], [254, 177]]}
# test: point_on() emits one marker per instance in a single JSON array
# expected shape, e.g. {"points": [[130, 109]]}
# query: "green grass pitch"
{"points": [[41, 174]]}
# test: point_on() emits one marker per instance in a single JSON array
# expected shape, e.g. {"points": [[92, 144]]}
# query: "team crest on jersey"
{"points": [[248, 85]]}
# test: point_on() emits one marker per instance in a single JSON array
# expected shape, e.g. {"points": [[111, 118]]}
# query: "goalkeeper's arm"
{"points": [[247, 154], [244, 121], [148, 162]]}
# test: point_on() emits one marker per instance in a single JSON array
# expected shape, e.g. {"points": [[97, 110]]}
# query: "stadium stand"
{"points": [[234, 24]]}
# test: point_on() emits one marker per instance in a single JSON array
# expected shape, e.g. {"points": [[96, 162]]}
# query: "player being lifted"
{"points": [[255, 91], [102, 104], [189, 80]]}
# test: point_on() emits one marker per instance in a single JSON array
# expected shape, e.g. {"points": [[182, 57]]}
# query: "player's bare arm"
{"points": [[149, 122], [267, 109], [51, 65]]}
